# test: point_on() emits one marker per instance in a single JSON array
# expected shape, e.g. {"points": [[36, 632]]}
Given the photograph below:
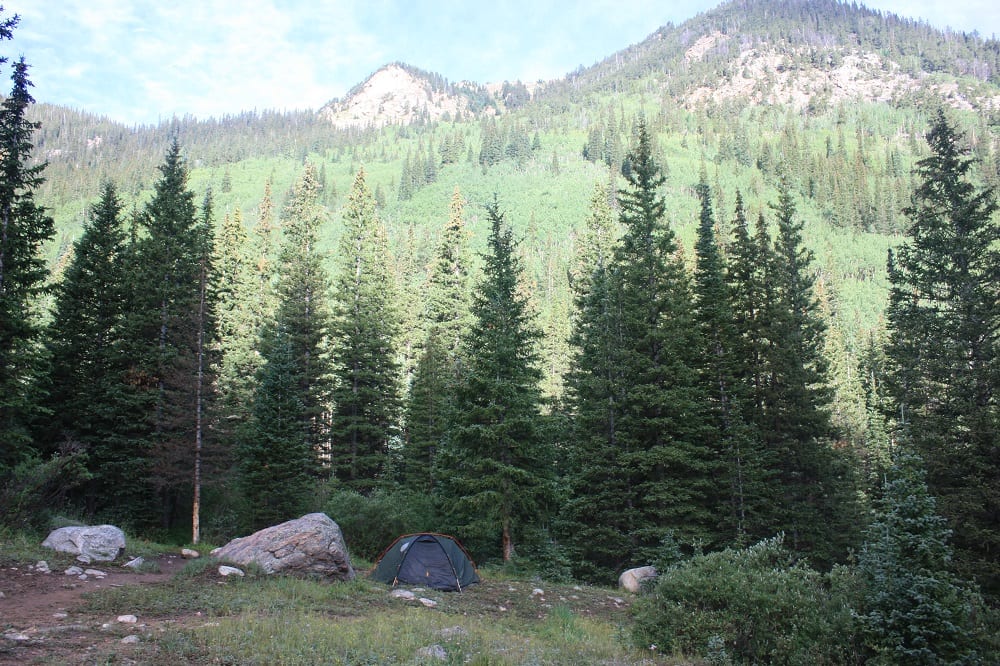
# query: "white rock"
{"points": [[100, 542], [230, 571], [190, 554], [84, 559], [83, 577], [16, 636], [633, 579], [538, 592], [134, 564], [73, 571], [433, 652], [96, 573], [130, 640], [2, 595], [451, 632], [403, 594], [430, 603], [42, 567], [60, 616], [128, 619]]}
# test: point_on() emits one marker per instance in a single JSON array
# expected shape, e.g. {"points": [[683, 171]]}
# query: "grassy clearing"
{"points": [[276, 620]]}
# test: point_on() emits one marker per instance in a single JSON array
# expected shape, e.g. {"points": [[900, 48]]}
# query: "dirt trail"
{"points": [[40, 620]]}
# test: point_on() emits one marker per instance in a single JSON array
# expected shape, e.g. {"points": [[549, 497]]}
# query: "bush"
{"points": [[754, 605], [370, 523], [35, 488]]}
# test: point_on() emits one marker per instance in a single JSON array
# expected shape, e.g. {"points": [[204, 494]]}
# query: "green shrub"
{"points": [[755, 605], [370, 523]]}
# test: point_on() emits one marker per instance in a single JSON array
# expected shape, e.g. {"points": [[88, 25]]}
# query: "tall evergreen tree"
{"points": [[497, 480], [24, 227], [367, 398], [811, 488], [643, 467], [944, 347], [169, 327], [286, 439], [92, 404], [721, 371], [448, 318]]}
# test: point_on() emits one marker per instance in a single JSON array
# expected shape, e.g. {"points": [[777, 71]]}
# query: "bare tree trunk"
{"points": [[196, 501]]}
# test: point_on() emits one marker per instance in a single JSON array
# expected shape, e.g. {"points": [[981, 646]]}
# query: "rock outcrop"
{"points": [[633, 579], [310, 545]]}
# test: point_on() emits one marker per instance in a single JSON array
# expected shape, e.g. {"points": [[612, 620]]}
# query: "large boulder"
{"points": [[101, 543], [310, 545], [633, 579]]}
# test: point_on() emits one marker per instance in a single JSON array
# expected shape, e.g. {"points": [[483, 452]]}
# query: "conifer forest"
{"points": [[623, 318]]}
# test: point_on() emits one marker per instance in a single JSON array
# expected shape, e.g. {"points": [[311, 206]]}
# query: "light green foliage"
{"points": [[370, 523], [757, 604]]}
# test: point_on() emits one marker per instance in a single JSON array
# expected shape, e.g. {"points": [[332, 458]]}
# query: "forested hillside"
{"points": [[633, 315]]}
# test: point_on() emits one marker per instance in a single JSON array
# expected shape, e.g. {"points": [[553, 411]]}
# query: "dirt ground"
{"points": [[41, 620]]}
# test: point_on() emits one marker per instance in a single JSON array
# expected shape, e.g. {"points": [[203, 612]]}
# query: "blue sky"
{"points": [[141, 61]]}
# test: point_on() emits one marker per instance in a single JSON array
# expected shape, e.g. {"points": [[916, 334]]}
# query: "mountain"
{"points": [[399, 94]]}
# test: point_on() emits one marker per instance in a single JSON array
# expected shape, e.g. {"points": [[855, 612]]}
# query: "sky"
{"points": [[143, 61]]}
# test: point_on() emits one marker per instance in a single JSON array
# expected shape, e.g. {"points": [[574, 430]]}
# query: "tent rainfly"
{"points": [[437, 561]]}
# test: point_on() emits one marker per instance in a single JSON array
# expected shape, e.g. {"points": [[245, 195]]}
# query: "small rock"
{"points": [[131, 640], [16, 636], [402, 594], [84, 558], [60, 616], [430, 603], [2, 595], [433, 652], [538, 592], [42, 567], [96, 573], [83, 576], [230, 571], [73, 571], [134, 564], [190, 554], [128, 619], [451, 632]]}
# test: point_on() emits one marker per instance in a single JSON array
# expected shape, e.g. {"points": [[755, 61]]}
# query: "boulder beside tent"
{"points": [[437, 561]]}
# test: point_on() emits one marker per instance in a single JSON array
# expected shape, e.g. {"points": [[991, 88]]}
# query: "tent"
{"points": [[437, 561]]}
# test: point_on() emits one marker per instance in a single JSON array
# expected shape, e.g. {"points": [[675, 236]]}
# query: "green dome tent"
{"points": [[437, 561]]}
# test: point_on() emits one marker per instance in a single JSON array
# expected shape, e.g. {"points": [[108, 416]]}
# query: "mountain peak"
{"points": [[398, 94]]}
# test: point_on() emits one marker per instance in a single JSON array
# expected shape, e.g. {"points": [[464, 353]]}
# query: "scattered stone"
{"points": [[190, 554], [16, 636], [102, 543], [617, 601], [60, 616], [128, 619], [402, 594], [131, 640], [134, 564], [538, 592], [451, 632], [230, 571], [430, 603], [310, 545], [632, 579], [73, 571], [96, 573], [2, 595], [42, 567], [433, 652], [578, 588], [82, 576], [84, 559]]}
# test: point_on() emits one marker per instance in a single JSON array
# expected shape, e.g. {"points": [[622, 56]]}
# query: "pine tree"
{"points": [[285, 441], [721, 372], [93, 406], [496, 484], [166, 327], [915, 609], [448, 318], [944, 327], [24, 227], [811, 487], [367, 397], [645, 469]]}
